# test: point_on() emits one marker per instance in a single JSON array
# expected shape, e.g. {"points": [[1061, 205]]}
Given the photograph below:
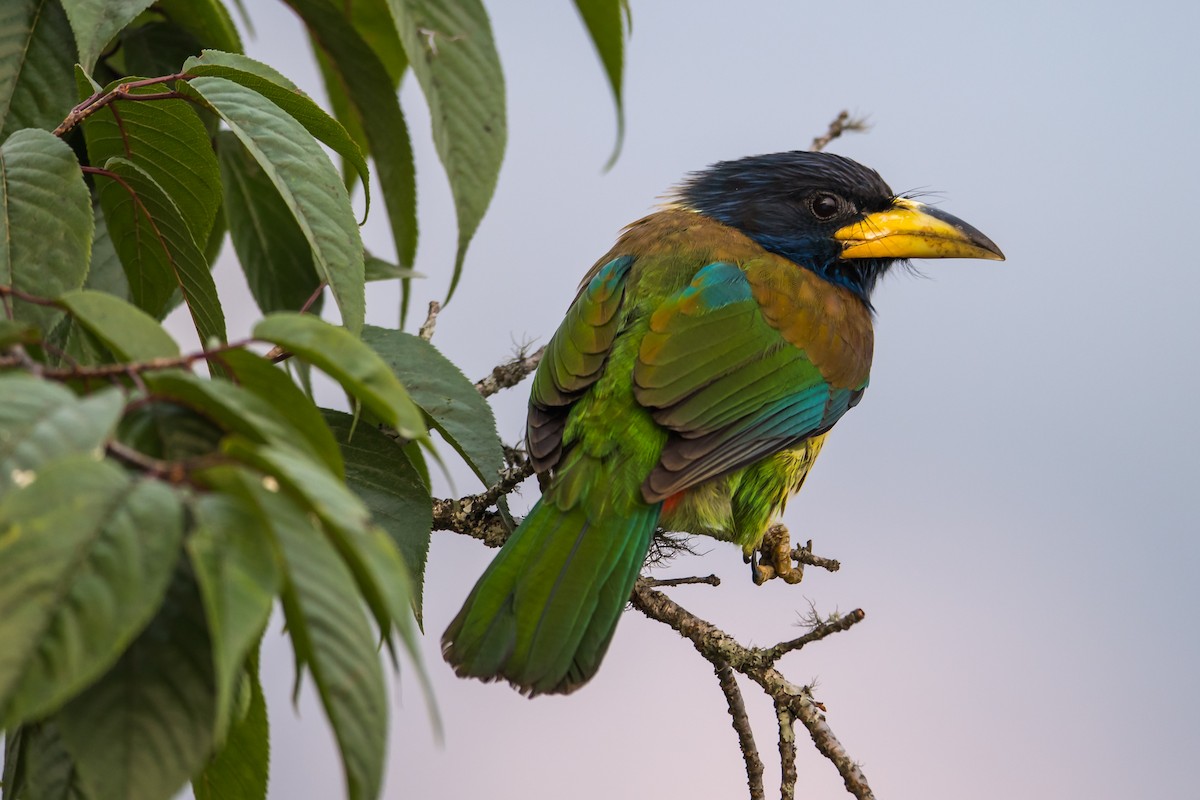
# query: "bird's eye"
{"points": [[824, 206]]}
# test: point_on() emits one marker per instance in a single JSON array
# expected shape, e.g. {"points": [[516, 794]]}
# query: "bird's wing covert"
{"points": [[729, 385]]}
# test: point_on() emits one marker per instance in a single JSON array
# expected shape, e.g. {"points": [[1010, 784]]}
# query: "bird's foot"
{"points": [[776, 558]]}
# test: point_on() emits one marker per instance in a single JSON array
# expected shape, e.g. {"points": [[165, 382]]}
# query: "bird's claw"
{"points": [[776, 558]]}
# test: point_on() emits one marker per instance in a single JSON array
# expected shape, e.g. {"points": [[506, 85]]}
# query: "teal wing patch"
{"points": [[727, 385], [573, 360]]}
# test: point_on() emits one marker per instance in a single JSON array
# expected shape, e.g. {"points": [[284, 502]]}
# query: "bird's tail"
{"points": [[544, 612]]}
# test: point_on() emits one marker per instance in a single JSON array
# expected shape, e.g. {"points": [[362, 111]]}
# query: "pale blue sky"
{"points": [[1014, 502]]}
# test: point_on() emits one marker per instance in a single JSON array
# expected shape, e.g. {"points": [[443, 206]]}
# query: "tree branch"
{"points": [[741, 725], [711, 580], [787, 752], [835, 624], [470, 515], [510, 373], [717, 647], [829, 746], [804, 555]]}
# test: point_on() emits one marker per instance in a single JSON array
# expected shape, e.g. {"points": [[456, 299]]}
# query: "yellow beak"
{"points": [[909, 229]]}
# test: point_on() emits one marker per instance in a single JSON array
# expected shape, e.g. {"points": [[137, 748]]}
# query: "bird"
{"points": [[690, 387]]}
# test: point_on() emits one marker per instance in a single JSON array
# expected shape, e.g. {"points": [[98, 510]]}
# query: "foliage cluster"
{"points": [[154, 503]]}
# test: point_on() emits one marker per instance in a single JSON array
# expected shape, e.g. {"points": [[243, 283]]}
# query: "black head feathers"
{"points": [[791, 204]]}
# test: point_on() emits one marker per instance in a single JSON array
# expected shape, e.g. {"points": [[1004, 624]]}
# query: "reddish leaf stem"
{"points": [[120, 92]]}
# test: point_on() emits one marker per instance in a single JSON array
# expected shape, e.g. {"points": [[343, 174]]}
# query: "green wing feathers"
{"points": [[729, 385], [574, 359], [544, 612]]}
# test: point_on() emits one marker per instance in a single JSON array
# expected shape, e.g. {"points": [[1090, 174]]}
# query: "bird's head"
{"points": [[830, 215]]}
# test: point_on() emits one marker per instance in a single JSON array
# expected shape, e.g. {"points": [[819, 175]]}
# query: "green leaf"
{"points": [[239, 67], [157, 249], [36, 54], [373, 559], [42, 421], [12, 779], [232, 407], [372, 19], [96, 22], [155, 48], [167, 140], [370, 87], [348, 361], [239, 577], [379, 472], [448, 398], [239, 771], [605, 25], [450, 47], [343, 112], [379, 270], [306, 180], [168, 432], [282, 92], [330, 635], [207, 20], [85, 557], [129, 332], [147, 725], [274, 385], [105, 274], [45, 223], [373, 22], [77, 346], [47, 769], [216, 237], [247, 22], [271, 247]]}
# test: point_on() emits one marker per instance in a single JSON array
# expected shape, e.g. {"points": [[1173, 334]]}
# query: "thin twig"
{"points": [[167, 470], [836, 625], [426, 329], [842, 123], [120, 92], [741, 726], [510, 373], [312, 298], [171, 471], [12, 291], [174, 471], [804, 555], [279, 354], [132, 368], [666, 545], [22, 357], [711, 580]]}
